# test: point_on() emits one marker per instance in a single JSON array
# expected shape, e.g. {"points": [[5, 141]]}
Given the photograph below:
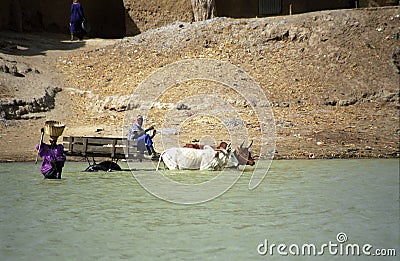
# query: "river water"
{"points": [[110, 216]]}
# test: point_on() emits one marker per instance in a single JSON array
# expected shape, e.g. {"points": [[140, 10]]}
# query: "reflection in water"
{"points": [[110, 216]]}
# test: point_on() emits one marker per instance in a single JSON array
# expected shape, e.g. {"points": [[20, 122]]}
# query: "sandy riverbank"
{"points": [[331, 79]]}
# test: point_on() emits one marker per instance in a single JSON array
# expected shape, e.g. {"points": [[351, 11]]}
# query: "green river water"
{"points": [[329, 204]]}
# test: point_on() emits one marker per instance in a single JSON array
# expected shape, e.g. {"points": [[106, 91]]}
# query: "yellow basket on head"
{"points": [[54, 128]]}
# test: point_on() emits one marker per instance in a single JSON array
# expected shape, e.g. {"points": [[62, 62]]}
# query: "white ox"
{"points": [[195, 159]]}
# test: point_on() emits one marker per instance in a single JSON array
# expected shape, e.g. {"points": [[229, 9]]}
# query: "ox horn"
{"points": [[251, 143], [241, 145]]}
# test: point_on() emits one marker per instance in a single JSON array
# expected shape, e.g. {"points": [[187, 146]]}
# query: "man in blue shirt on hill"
{"points": [[76, 19]]}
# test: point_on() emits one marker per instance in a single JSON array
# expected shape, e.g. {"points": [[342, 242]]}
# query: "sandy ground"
{"points": [[38, 51], [333, 90]]}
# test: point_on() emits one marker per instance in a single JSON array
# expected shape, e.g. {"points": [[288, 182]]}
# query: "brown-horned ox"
{"points": [[239, 156], [195, 159]]}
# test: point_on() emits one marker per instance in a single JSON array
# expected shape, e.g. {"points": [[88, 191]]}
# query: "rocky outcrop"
{"points": [[16, 69], [19, 109]]}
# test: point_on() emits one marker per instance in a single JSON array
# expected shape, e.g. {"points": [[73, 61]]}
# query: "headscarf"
{"points": [[139, 118]]}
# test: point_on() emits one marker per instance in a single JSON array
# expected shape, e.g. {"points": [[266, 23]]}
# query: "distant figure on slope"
{"points": [[53, 157], [144, 140], [76, 19]]}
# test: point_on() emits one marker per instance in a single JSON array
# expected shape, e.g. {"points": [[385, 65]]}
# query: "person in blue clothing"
{"points": [[76, 19], [144, 140]]}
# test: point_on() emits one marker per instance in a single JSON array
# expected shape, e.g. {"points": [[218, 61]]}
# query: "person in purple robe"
{"points": [[77, 17], [53, 158]]}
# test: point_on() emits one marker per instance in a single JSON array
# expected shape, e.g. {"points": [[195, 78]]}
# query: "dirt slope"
{"points": [[331, 79]]}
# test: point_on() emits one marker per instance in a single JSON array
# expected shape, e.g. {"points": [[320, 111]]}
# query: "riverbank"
{"points": [[331, 80]]}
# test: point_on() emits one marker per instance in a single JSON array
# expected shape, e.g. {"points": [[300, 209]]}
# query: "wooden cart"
{"points": [[105, 147]]}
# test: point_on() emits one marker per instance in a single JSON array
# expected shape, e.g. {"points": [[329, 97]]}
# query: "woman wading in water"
{"points": [[53, 157]]}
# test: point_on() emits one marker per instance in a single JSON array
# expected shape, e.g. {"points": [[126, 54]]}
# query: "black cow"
{"points": [[103, 166]]}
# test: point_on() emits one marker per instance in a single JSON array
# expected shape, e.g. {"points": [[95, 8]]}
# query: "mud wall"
{"points": [[118, 18], [107, 19], [376, 3], [314, 5], [250, 8], [151, 14], [237, 8]]}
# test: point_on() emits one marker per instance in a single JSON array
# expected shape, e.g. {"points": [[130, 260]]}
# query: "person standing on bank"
{"points": [[53, 157], [144, 140], [76, 19]]}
